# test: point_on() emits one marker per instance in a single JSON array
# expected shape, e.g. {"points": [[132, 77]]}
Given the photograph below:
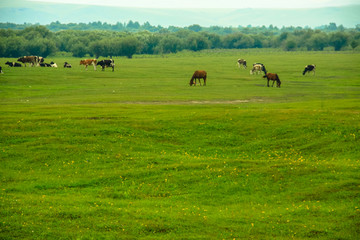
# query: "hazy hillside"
{"points": [[44, 13]]}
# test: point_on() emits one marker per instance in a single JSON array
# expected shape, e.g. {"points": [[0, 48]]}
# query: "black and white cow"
{"points": [[241, 62], [309, 68], [13, 64], [106, 63], [53, 64], [67, 65], [45, 65], [1, 72]]}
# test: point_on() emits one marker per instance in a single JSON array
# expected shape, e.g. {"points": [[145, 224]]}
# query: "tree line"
{"points": [[45, 41]]}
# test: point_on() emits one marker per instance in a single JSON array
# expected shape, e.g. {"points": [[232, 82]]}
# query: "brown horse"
{"points": [[198, 75], [273, 77]]}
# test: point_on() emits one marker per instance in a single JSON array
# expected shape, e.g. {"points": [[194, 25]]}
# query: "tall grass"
{"points": [[138, 154]]}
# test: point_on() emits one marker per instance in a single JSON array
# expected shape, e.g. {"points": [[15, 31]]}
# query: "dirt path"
{"points": [[199, 102]]}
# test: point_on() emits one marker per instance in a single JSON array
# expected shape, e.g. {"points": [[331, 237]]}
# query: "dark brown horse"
{"points": [[198, 75], [273, 77]]}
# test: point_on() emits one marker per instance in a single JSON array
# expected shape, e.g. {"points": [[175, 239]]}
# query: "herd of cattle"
{"points": [[39, 61], [257, 68]]}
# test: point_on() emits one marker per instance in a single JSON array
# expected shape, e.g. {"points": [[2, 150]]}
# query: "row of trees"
{"points": [[39, 40], [134, 26]]}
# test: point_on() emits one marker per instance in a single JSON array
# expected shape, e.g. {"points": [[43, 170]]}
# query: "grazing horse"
{"points": [[197, 75], [309, 68], [273, 77], [241, 62], [88, 62]]}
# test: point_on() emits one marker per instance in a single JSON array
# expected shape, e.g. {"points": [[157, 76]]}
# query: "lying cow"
{"points": [[13, 64], [272, 77], [241, 62], [67, 65], [106, 63], [45, 65], [309, 68], [88, 62]]}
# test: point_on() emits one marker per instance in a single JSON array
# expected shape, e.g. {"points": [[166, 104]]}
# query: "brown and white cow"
{"points": [[257, 68], [88, 62]]}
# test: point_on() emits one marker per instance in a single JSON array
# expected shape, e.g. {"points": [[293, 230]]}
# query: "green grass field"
{"points": [[139, 154]]}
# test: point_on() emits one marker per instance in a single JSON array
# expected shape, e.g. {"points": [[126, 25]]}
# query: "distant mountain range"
{"points": [[16, 11]]}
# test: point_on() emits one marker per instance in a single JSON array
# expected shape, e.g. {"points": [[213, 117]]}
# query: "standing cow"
{"points": [[106, 63], [32, 60], [88, 62], [242, 62]]}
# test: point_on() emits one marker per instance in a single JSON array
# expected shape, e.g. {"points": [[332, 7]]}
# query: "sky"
{"points": [[211, 3]]}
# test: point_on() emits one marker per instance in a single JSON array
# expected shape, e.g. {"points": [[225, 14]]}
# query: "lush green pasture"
{"points": [[138, 154]]}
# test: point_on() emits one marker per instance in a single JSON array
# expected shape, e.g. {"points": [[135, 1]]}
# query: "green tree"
{"points": [[195, 28], [197, 42], [15, 47], [79, 50], [98, 49], [339, 40], [169, 44], [318, 41], [129, 46]]}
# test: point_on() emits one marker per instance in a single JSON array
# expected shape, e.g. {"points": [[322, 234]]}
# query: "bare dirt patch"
{"points": [[198, 102]]}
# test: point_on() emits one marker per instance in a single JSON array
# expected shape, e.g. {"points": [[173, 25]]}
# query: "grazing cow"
{"points": [[52, 64], [256, 69], [13, 64], [32, 60], [309, 68], [88, 62], [67, 65], [197, 75], [241, 62], [106, 63], [273, 77]]}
